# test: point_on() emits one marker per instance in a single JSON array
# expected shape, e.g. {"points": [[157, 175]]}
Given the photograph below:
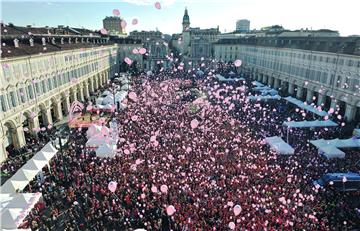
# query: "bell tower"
{"points": [[186, 21]]}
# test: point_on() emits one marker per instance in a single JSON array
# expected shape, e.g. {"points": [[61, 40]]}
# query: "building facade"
{"points": [[243, 25], [323, 71], [195, 44], [113, 25], [157, 49], [37, 85]]}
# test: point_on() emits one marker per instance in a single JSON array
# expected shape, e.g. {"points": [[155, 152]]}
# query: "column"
{"points": [[309, 95], [276, 83], [34, 123], [91, 86], [81, 92], [333, 103], [299, 92], [58, 112], [67, 104], [86, 91], [48, 117], [264, 79], [20, 137], [3, 154], [291, 88], [96, 85], [73, 95], [350, 112], [321, 99]]}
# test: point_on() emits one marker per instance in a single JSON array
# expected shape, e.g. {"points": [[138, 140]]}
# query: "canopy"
{"points": [[307, 107], [106, 93], [331, 152], [223, 79], [28, 172], [307, 124], [106, 150], [15, 207], [269, 92], [279, 145], [261, 98], [95, 129], [98, 140], [261, 88], [258, 84], [346, 143]]}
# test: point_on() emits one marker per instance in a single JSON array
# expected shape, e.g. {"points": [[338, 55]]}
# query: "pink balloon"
{"points": [[134, 118], [194, 123], [188, 149], [133, 96], [142, 51], [157, 5], [154, 189], [25, 129], [126, 151], [237, 63], [134, 21], [170, 210], [237, 210], [164, 188], [116, 12], [103, 31], [135, 51], [112, 186], [128, 60], [232, 225]]}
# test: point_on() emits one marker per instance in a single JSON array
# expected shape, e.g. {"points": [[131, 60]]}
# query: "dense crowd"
{"points": [[190, 153]]}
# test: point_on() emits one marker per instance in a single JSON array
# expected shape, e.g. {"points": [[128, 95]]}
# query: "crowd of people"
{"points": [[191, 156]]}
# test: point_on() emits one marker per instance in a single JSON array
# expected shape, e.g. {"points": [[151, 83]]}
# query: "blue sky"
{"points": [[291, 14]]}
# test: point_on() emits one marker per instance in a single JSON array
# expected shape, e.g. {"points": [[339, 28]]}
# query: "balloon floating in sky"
{"points": [[232, 225], [103, 31], [157, 5], [194, 123], [237, 63], [142, 51], [170, 210], [135, 21], [116, 12], [128, 60], [237, 210], [112, 186]]}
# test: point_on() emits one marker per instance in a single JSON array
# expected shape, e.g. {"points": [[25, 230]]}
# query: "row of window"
{"points": [[15, 98], [310, 57]]}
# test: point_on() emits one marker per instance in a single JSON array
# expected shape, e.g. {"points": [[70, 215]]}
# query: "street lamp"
{"points": [[58, 135]]}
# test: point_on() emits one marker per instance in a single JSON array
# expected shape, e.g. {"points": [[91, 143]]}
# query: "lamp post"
{"points": [[58, 135]]}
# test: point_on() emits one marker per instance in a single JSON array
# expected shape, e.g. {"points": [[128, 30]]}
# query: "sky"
{"points": [[291, 14]]}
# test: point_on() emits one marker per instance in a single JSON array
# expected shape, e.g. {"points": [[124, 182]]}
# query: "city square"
{"points": [[122, 127]]}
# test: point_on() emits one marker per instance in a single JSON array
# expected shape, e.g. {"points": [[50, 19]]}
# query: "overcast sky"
{"points": [[343, 15]]}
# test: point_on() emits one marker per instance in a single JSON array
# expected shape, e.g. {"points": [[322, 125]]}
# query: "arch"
{"points": [[10, 131], [75, 107]]}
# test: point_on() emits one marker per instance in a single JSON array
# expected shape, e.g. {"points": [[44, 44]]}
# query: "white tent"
{"points": [[108, 100], [35, 164], [49, 148], [307, 107], [261, 98], [99, 101], [105, 93], [269, 92], [279, 145], [223, 79], [331, 152], [10, 186], [95, 129], [258, 84], [261, 88], [26, 174], [96, 141], [306, 124], [15, 207], [200, 73], [346, 143], [106, 150]]}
